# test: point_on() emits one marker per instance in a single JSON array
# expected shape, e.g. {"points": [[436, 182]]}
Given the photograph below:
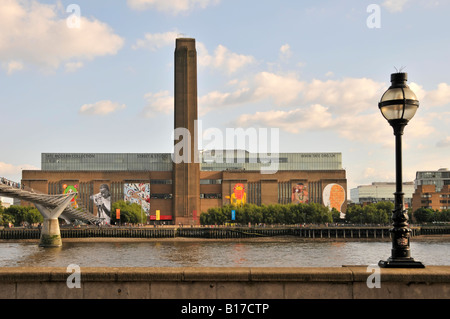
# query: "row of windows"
{"points": [[210, 181], [254, 193], [442, 201], [161, 196], [242, 160], [421, 175], [284, 192], [211, 196], [170, 196], [160, 181]]}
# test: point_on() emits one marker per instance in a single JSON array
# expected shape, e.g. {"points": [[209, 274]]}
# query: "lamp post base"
{"points": [[400, 263]]}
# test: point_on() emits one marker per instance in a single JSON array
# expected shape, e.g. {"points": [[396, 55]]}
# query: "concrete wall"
{"points": [[348, 282]]}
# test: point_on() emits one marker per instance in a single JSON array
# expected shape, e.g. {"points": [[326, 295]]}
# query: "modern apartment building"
{"points": [[432, 189]]}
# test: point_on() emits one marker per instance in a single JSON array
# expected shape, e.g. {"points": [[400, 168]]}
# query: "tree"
{"points": [[385, 211], [5, 219], [22, 214], [336, 215], [445, 215], [129, 212], [424, 215]]}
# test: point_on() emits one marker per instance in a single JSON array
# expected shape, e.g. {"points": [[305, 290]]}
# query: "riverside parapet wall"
{"points": [[347, 282]]}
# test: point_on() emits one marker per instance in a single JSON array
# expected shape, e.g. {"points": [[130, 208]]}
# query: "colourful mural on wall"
{"points": [[138, 193], [68, 189], [238, 197], [334, 197], [300, 194]]}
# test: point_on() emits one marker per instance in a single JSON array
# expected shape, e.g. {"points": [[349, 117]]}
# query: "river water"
{"points": [[204, 253]]}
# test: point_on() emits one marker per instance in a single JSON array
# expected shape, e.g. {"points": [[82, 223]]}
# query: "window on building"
{"points": [[210, 181], [211, 196], [161, 196], [160, 181]]}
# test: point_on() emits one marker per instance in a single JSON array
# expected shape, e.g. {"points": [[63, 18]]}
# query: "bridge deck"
{"points": [[48, 201]]}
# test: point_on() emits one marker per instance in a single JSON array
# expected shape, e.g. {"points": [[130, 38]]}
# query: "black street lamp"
{"points": [[398, 105]]}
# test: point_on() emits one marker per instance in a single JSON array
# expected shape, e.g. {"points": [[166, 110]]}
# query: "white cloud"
{"points": [[13, 66], [294, 121], [155, 41], [285, 51], [170, 6], [347, 107], [38, 34], [378, 174], [10, 169], [445, 142], [73, 66], [279, 89], [418, 90], [347, 96], [394, 5], [103, 107], [352, 95], [438, 97], [364, 128], [216, 99], [285, 48], [157, 103], [223, 59], [282, 89]]}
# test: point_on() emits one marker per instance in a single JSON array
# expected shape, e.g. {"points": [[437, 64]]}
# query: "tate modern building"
{"points": [[176, 188]]}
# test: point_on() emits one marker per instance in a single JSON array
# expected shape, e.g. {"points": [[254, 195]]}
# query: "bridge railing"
{"points": [[8, 182], [78, 213]]}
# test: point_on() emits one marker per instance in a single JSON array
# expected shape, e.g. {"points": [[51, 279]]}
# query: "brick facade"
{"points": [[258, 188], [426, 196]]}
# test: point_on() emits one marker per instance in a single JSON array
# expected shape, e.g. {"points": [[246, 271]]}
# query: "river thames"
{"points": [[277, 252]]}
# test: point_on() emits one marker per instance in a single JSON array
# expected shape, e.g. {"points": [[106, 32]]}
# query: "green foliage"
{"points": [[428, 215], [379, 213], [18, 215], [291, 214], [5, 219], [129, 213], [269, 214]]}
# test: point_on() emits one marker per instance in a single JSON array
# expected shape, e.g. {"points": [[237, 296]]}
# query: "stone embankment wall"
{"points": [[347, 282]]}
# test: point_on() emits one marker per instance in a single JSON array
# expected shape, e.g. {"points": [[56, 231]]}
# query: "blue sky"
{"points": [[313, 69]]}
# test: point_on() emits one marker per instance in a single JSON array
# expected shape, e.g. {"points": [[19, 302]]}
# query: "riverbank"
{"points": [[420, 238]]}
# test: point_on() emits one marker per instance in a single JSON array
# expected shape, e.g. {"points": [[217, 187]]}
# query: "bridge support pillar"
{"points": [[50, 233]]}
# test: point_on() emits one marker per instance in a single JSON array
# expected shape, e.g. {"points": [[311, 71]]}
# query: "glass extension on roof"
{"points": [[217, 161]]}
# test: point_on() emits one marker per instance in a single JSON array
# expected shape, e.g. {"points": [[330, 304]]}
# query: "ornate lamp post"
{"points": [[398, 105]]}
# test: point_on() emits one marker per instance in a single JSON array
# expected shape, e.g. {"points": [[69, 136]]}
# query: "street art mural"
{"points": [[138, 193], [300, 194], [238, 197], [103, 202], [68, 189], [334, 197]]}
